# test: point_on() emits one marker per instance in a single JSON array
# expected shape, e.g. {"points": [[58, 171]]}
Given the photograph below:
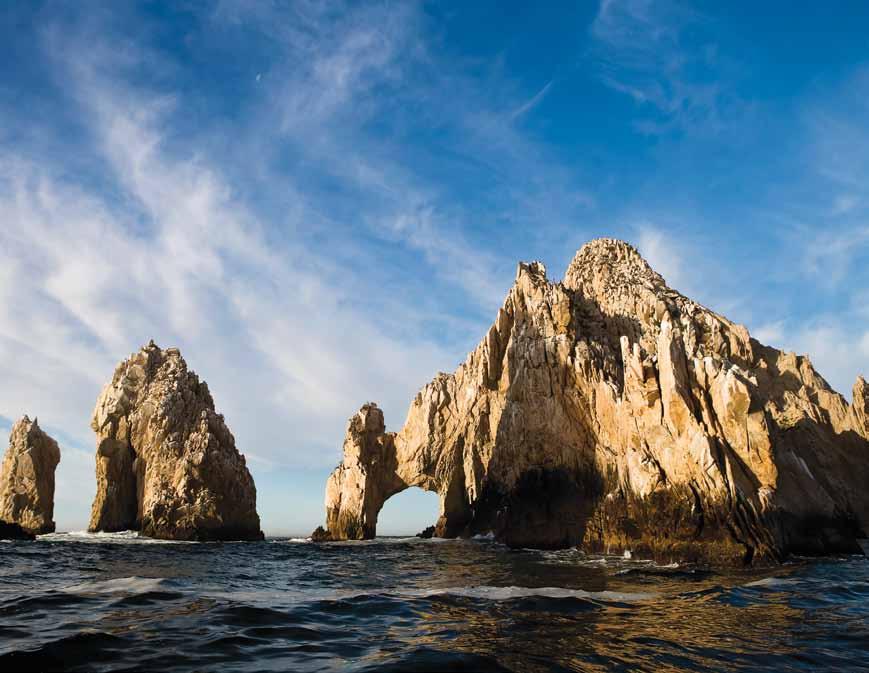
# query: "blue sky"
{"points": [[324, 205]]}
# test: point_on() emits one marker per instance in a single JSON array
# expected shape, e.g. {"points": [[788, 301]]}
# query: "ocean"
{"points": [[119, 602]]}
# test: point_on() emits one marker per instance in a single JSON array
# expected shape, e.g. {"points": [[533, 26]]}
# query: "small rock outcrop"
{"points": [[13, 531], [320, 534], [167, 465], [27, 478], [611, 412]]}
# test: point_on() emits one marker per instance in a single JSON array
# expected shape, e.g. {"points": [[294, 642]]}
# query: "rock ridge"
{"points": [[612, 412]]}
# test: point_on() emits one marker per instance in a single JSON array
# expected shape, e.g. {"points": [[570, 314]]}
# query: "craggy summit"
{"points": [[611, 412]]}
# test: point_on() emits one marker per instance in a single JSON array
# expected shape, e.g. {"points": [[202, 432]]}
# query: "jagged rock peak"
{"points": [[27, 478], [166, 461], [610, 411], [618, 262]]}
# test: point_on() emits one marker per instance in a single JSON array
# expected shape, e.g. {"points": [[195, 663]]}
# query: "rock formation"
{"points": [[166, 462], [27, 478], [611, 412]]}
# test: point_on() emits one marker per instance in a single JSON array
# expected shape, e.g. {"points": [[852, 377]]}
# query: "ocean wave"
{"points": [[127, 585], [494, 593], [481, 592], [125, 536], [774, 582]]}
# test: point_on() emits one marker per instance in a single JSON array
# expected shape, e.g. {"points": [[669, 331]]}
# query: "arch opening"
{"points": [[409, 512]]}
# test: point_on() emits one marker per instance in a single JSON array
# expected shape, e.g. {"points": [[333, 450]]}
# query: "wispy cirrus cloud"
{"points": [[655, 52], [532, 102], [304, 268]]}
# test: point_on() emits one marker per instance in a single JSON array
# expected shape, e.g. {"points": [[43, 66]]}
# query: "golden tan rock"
{"points": [[166, 462], [27, 478], [611, 412], [860, 406]]}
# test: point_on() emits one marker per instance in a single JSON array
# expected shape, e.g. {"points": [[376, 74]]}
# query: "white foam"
{"points": [[395, 540], [482, 592], [773, 582], [121, 537], [127, 585], [508, 593]]}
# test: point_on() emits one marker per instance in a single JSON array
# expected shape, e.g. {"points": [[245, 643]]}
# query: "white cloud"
{"points": [[844, 204], [830, 254], [836, 351], [642, 51], [532, 102], [770, 333], [294, 313], [276, 330], [662, 254]]}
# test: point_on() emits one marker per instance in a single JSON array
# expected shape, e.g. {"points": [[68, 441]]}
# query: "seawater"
{"points": [[119, 602]]}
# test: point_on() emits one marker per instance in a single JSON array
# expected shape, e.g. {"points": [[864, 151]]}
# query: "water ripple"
{"points": [[121, 602]]}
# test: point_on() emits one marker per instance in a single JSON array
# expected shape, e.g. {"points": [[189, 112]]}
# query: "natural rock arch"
{"points": [[608, 410], [373, 471], [413, 511]]}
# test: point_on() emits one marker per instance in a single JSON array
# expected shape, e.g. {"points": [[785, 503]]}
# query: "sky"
{"points": [[323, 204]]}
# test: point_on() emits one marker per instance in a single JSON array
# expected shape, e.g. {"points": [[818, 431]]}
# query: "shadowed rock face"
{"points": [[14, 531], [611, 412], [166, 462], [27, 478]]}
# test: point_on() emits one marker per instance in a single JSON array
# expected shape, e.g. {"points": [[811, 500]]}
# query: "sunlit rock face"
{"points": [[27, 478], [166, 462], [611, 412]]}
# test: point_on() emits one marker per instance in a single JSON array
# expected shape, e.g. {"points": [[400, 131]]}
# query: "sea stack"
{"points": [[27, 479], [611, 412], [167, 465]]}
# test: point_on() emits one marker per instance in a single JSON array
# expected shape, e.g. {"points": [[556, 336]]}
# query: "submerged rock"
{"points": [[27, 478], [167, 465], [610, 411], [320, 534]]}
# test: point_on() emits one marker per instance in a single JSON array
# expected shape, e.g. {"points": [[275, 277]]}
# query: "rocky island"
{"points": [[611, 412], [167, 464], [27, 482]]}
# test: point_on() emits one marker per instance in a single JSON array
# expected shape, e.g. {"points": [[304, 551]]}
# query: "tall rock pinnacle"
{"points": [[166, 462], [27, 478], [610, 411]]}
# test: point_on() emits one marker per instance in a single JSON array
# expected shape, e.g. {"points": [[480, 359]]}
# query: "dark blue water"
{"points": [[118, 603]]}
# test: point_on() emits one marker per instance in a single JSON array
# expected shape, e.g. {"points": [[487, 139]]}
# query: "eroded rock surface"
{"points": [[27, 478], [610, 411], [166, 462]]}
